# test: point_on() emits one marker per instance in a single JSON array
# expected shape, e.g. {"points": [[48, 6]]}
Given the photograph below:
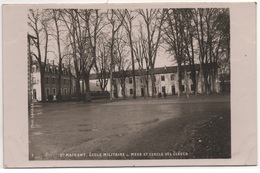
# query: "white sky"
{"points": [[162, 59]]}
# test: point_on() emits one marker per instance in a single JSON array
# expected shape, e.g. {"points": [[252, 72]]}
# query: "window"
{"points": [[155, 90], [64, 81], [183, 88], [172, 76], [65, 91], [162, 78], [54, 91], [47, 91], [130, 80], [192, 87], [141, 81], [47, 80], [131, 91], [53, 81], [163, 89], [46, 69]]}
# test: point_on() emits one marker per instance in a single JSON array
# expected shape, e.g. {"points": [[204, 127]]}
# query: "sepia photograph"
{"points": [[129, 83], [115, 85]]}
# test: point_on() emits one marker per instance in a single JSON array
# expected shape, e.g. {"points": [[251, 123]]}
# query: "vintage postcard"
{"points": [[159, 84]]}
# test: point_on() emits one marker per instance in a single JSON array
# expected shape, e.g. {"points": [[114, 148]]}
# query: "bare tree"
{"points": [[93, 19], [189, 47], [121, 62], [55, 30], [38, 24], [141, 55], [153, 22], [101, 66], [174, 39], [115, 23], [128, 17], [78, 42], [209, 36]]}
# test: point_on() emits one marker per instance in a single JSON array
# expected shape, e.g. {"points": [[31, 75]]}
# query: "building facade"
{"points": [[50, 81], [166, 81]]}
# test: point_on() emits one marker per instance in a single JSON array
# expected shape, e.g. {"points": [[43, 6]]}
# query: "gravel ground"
{"points": [[170, 128]]}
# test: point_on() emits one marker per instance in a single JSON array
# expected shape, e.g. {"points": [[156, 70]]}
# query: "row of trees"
{"points": [[119, 39]]}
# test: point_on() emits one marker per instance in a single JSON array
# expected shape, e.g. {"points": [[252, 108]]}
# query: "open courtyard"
{"points": [[171, 128]]}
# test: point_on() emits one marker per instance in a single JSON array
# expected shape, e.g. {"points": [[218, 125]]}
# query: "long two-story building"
{"points": [[166, 80]]}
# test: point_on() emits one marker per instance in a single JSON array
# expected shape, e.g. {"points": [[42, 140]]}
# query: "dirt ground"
{"points": [[169, 128]]}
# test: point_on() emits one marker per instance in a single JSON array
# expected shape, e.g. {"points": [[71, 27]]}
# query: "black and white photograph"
{"points": [[129, 83], [167, 84]]}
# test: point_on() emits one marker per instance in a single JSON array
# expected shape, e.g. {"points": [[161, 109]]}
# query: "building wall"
{"points": [[51, 84], [170, 84]]}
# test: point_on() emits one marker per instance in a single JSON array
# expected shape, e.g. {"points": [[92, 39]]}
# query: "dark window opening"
{"points": [[130, 80], [192, 87], [54, 91], [172, 76], [131, 91], [162, 78], [163, 89], [47, 91]]}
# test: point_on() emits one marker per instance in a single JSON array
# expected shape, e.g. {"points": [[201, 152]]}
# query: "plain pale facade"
{"points": [[166, 80]]}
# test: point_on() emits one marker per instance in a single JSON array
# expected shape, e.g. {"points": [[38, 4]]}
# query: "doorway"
{"points": [[142, 92], [173, 90]]}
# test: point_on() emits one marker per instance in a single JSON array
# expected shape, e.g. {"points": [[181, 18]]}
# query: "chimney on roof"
{"points": [[165, 67]]}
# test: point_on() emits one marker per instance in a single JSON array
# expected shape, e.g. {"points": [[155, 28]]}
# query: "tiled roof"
{"points": [[158, 70]]}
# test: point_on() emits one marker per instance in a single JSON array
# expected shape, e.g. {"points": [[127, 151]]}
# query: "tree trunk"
{"points": [[196, 84], [186, 82], [179, 78], [82, 85], [43, 96], [111, 85], [70, 82], [147, 84], [59, 51], [123, 88], [116, 90], [59, 78], [77, 82], [133, 64], [88, 96], [153, 82], [202, 82]]}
